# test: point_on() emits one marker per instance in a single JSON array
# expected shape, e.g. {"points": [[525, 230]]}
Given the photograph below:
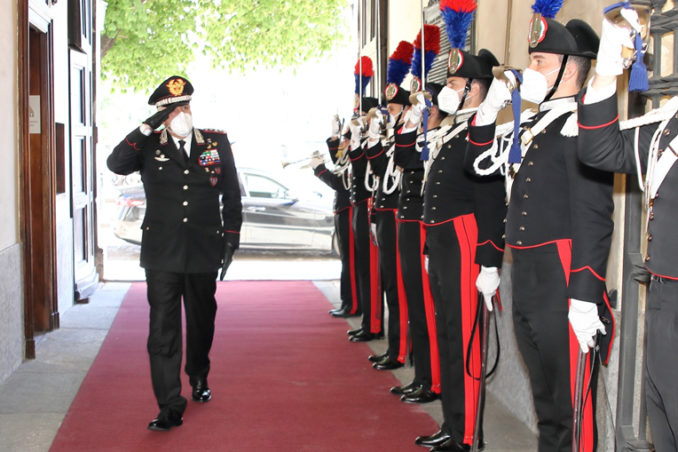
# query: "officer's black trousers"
{"points": [[453, 273], [422, 326], [661, 368], [165, 290], [342, 227], [540, 307], [389, 272], [369, 299]]}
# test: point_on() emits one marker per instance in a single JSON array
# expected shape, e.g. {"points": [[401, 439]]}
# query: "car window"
{"points": [[263, 187]]}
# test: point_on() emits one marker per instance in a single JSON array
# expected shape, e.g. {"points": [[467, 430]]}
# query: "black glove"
{"points": [[159, 117], [228, 258]]}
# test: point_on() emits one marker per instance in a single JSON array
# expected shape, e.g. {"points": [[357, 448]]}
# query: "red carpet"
{"points": [[284, 378]]}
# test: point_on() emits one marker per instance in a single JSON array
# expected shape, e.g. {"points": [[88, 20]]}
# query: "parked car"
{"points": [[274, 215]]}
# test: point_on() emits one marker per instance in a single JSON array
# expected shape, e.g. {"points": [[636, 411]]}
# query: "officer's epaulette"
{"points": [[660, 114], [222, 132]]}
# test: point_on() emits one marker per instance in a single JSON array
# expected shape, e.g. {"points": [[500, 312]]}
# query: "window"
{"points": [[263, 187]]}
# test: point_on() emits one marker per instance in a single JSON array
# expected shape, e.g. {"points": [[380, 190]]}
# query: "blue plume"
{"points": [[429, 57], [397, 70], [547, 8], [456, 25], [358, 80]]}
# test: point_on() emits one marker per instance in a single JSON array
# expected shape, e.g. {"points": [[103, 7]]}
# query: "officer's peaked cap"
{"points": [[175, 89]]}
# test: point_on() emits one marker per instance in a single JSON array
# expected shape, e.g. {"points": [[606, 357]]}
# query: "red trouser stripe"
{"points": [[351, 258], [403, 350], [586, 442], [429, 308], [375, 290], [467, 235]]}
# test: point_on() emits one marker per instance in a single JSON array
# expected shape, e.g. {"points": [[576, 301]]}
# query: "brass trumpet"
{"points": [[305, 159], [619, 16]]}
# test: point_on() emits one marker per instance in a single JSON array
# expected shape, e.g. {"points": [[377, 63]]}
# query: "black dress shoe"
{"points": [[377, 358], [438, 437], [201, 392], [341, 313], [422, 395], [355, 331], [407, 389], [164, 423], [387, 364], [453, 445], [364, 336]]}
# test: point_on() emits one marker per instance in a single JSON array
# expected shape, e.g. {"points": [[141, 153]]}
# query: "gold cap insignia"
{"points": [[176, 86]]}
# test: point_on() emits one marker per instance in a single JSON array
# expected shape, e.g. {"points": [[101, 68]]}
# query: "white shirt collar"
{"points": [[551, 104], [187, 142]]}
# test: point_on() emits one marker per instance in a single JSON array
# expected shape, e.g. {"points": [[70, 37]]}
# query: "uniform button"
{"points": [[528, 179], [649, 237], [438, 183], [524, 213], [442, 158], [503, 236], [530, 163], [525, 196], [434, 208], [430, 221], [504, 220], [667, 131], [405, 207], [440, 171], [185, 187], [186, 171], [185, 220], [185, 203], [519, 242], [522, 228], [435, 196], [536, 146], [647, 258], [651, 215], [409, 191]]}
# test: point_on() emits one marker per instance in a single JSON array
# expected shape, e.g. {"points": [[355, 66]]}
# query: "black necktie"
{"points": [[182, 149]]}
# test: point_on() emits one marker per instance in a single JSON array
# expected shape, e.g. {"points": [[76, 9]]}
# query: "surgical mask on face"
{"points": [[182, 124], [534, 86], [449, 100]]}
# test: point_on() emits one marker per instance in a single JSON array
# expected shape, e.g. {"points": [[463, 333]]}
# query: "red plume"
{"points": [[367, 67], [459, 5], [431, 39], [403, 52]]}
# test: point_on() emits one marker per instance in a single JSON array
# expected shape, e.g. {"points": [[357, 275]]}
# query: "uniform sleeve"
{"points": [[480, 139], [405, 154], [332, 148], [490, 211], [376, 155], [358, 162], [591, 209], [126, 157], [230, 194], [329, 178], [602, 145]]}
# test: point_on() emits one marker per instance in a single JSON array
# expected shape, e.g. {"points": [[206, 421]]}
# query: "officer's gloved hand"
{"points": [[612, 39], [228, 258], [416, 112], [335, 126], [316, 161], [154, 121], [355, 127], [376, 121], [487, 284], [585, 322], [497, 97]]}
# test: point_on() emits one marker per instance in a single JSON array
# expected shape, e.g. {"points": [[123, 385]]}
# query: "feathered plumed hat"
{"points": [[430, 52], [398, 67]]}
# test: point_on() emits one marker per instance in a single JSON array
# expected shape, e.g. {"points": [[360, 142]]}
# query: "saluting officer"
{"points": [[343, 212], [647, 145], [558, 226], [385, 206], [463, 215], [186, 238]]}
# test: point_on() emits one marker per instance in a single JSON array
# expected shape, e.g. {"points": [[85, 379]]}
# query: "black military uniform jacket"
{"points": [[602, 145], [556, 197], [450, 191], [359, 192], [334, 181], [410, 202], [376, 155], [184, 229]]}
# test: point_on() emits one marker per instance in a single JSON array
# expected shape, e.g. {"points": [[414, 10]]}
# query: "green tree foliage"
{"points": [[146, 40]]}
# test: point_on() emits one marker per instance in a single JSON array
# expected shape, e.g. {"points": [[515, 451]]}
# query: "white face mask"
{"points": [[182, 124], [449, 100], [534, 86]]}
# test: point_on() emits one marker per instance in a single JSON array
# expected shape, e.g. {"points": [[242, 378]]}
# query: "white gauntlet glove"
{"points": [[612, 39], [487, 284], [374, 130], [316, 161], [415, 114], [497, 97], [356, 132], [585, 323]]}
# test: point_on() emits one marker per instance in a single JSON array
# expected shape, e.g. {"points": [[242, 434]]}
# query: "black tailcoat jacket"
{"points": [[184, 228]]}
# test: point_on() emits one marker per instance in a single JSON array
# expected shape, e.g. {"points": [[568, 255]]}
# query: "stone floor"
{"points": [[35, 398]]}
